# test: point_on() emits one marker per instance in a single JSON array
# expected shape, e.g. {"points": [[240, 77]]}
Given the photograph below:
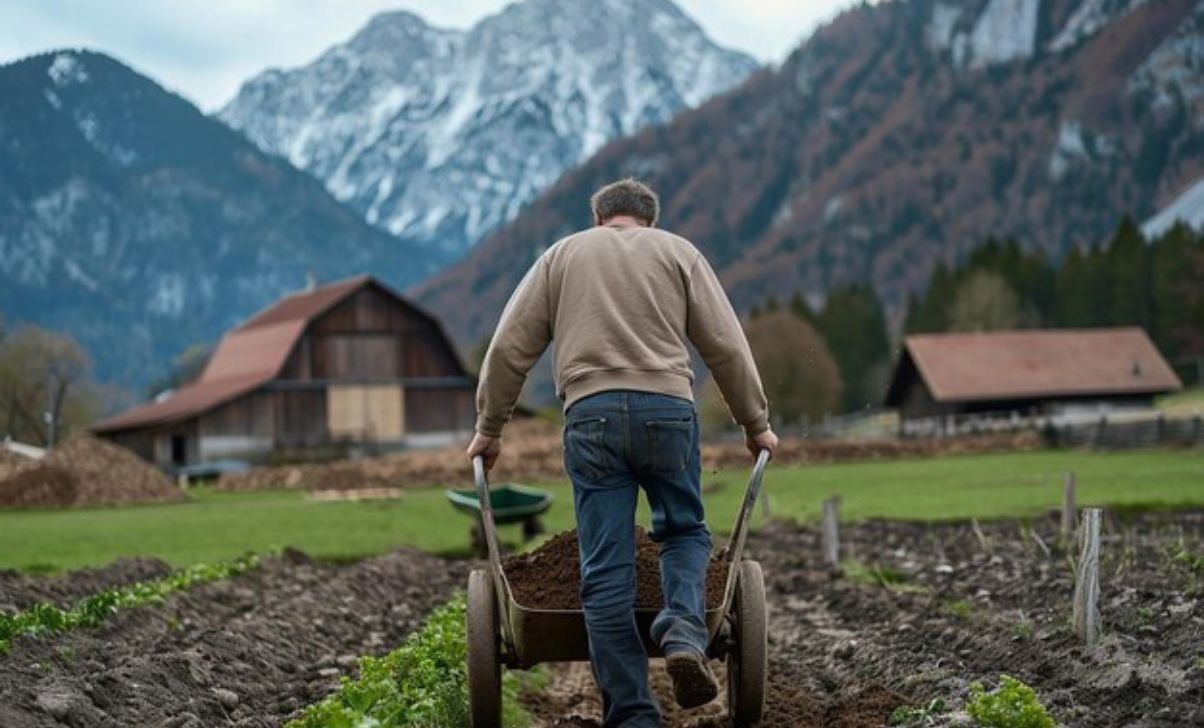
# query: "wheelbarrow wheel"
{"points": [[484, 663], [746, 661]]}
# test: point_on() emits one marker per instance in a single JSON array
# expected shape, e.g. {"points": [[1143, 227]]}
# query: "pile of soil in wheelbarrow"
{"points": [[549, 577]]}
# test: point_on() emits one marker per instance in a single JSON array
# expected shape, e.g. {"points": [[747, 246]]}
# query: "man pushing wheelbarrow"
{"points": [[622, 301]]}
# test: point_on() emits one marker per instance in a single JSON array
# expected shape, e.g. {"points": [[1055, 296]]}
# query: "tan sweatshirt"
{"points": [[621, 303]]}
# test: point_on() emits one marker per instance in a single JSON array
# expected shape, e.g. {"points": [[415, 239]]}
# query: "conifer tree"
{"points": [[802, 309], [1079, 296], [1127, 264], [853, 324], [931, 312]]}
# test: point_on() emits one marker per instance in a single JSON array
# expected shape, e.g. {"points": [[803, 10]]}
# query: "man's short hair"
{"points": [[626, 197]]}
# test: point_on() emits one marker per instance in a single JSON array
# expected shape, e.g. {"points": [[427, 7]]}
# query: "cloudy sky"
{"points": [[204, 49]]}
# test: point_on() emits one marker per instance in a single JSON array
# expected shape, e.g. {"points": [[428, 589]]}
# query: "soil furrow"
{"points": [[18, 591], [928, 608], [246, 652]]}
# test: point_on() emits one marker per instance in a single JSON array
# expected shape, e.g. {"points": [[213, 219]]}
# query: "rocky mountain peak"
{"points": [[440, 136]]}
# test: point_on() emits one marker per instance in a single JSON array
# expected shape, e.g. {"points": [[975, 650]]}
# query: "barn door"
{"points": [[365, 412]]}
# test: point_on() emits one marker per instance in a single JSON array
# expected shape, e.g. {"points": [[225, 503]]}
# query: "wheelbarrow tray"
{"points": [[559, 635], [511, 503]]}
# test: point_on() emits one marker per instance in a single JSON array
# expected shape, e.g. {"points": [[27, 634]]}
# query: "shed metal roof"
{"points": [[1032, 364]]}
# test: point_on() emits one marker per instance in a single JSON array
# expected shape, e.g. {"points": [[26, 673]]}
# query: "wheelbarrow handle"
{"points": [[735, 544], [489, 527], [485, 504]]}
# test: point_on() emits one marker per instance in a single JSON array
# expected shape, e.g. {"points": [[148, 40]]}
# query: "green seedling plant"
{"points": [[908, 715], [42, 619], [422, 684], [1181, 555], [1025, 628], [960, 608], [878, 575], [1012, 705]]}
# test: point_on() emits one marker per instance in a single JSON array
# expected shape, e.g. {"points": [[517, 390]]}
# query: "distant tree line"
{"points": [[817, 363], [1126, 280], [186, 367], [837, 359], [46, 386]]}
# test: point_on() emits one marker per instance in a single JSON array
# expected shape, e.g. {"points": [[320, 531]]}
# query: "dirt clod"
{"points": [[549, 577]]}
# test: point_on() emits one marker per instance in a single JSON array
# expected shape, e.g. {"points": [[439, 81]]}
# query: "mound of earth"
{"points": [[85, 471], [802, 451], [550, 578], [10, 462], [534, 452]]}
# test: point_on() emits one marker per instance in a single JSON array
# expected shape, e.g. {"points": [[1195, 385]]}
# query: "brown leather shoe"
{"points": [[693, 682]]}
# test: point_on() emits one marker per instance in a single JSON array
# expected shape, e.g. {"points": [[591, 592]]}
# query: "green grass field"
{"points": [[214, 526], [1183, 404]]}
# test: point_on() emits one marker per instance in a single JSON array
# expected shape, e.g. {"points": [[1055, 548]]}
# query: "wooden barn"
{"points": [[349, 364], [1040, 372]]}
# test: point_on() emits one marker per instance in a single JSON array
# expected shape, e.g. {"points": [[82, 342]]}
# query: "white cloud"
{"points": [[204, 49]]}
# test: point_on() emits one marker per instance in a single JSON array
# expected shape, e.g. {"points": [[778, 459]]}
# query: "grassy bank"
{"points": [[217, 526], [1187, 403]]}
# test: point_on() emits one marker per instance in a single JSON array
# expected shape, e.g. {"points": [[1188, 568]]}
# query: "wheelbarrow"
{"points": [[502, 632], [510, 503]]}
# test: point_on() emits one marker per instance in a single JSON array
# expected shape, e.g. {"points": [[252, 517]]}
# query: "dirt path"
{"points": [[246, 652], [845, 651]]}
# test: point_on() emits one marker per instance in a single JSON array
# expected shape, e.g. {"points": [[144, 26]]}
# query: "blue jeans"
{"points": [[615, 444]]}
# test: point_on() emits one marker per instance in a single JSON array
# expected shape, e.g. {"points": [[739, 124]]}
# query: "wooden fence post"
{"points": [[1086, 579], [1068, 508], [983, 541], [831, 532]]}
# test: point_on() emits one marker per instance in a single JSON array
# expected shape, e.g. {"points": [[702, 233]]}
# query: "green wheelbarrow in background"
{"points": [[510, 503], [502, 632]]}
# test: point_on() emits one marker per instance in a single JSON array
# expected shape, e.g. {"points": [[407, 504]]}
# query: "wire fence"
{"points": [[1114, 431]]}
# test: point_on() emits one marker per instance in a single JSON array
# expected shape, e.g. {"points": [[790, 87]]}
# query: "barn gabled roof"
{"points": [[1032, 364], [248, 357]]}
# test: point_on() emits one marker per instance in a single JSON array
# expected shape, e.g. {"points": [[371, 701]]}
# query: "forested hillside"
{"points": [[896, 138], [1126, 280]]}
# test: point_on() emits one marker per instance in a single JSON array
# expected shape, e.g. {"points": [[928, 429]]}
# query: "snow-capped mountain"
{"points": [[439, 136]]}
